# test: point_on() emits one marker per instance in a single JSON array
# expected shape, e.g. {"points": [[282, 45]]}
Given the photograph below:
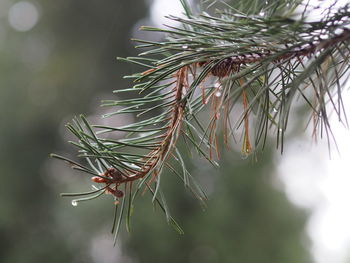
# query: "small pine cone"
{"points": [[119, 194], [114, 173]]}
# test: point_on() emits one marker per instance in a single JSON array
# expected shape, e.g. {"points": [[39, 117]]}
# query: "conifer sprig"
{"points": [[257, 60]]}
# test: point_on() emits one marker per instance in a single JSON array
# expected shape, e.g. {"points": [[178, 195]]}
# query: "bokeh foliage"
{"points": [[55, 70]]}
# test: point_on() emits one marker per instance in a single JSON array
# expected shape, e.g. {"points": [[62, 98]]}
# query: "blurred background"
{"points": [[57, 60]]}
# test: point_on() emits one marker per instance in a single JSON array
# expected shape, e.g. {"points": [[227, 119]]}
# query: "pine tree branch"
{"points": [[257, 61]]}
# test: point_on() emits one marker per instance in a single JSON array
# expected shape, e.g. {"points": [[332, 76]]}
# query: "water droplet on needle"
{"points": [[218, 94], [244, 155]]}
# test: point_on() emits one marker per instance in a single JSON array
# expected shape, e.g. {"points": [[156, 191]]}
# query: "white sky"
{"points": [[315, 181], [162, 8]]}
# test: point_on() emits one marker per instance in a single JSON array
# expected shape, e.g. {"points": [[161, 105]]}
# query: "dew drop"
{"points": [[184, 46], [218, 94], [244, 155], [132, 165], [74, 203], [262, 13], [275, 110], [217, 85], [280, 130]]}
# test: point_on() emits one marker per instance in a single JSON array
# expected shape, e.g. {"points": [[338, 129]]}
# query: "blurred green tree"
{"points": [[69, 54]]}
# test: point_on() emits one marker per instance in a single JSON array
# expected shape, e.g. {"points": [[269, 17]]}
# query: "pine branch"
{"points": [[257, 60]]}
